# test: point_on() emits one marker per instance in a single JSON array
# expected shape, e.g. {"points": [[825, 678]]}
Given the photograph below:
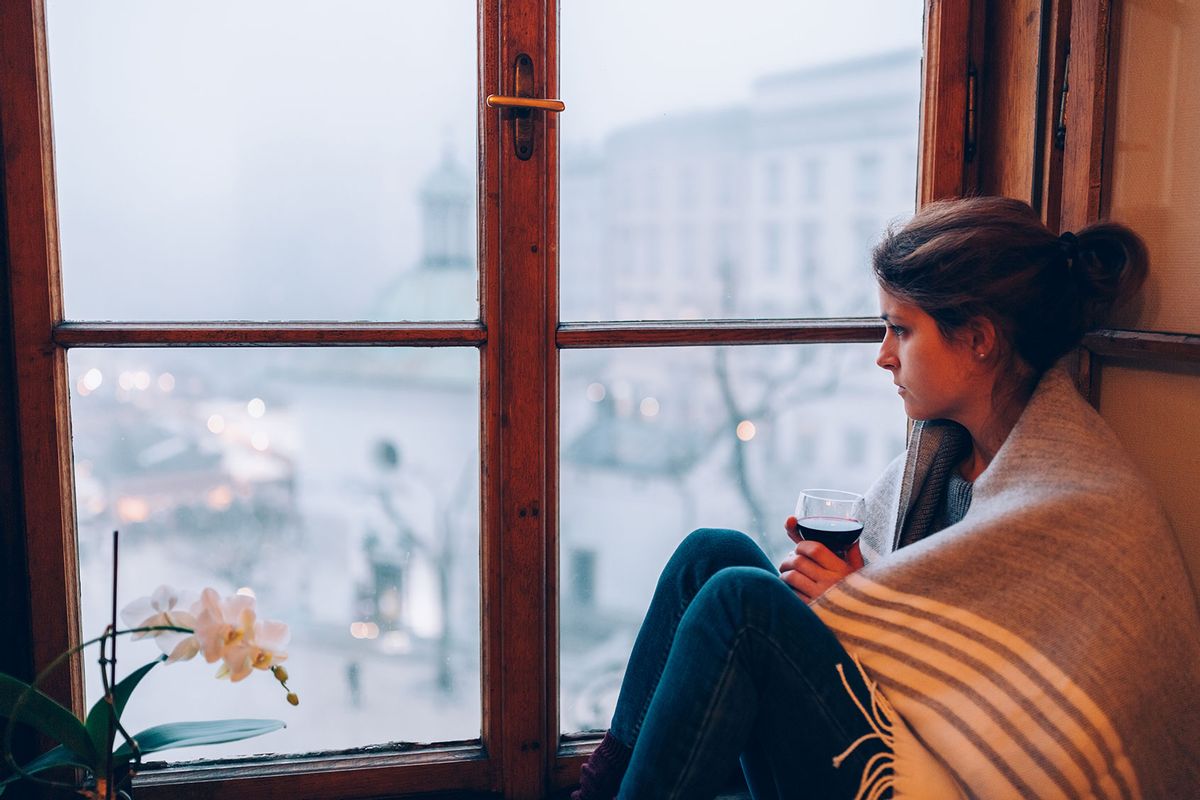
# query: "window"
{"points": [[582, 593], [297, 474], [652, 253], [813, 169], [685, 183], [542, 479], [686, 246], [772, 233], [772, 174], [809, 235], [867, 175], [702, 431]]}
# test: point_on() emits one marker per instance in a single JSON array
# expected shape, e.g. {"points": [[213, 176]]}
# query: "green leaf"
{"points": [[58, 757], [97, 718], [189, 734], [42, 713]]}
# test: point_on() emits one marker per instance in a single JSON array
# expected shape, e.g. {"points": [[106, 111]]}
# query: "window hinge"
{"points": [[1060, 128], [972, 113]]}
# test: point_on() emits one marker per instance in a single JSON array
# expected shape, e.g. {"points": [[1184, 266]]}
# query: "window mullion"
{"points": [[519, 406]]}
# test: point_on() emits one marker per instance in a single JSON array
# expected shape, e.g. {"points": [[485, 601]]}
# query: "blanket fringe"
{"points": [[879, 775]]}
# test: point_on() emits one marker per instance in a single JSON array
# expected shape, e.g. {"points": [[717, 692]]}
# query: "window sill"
{"points": [[461, 767]]}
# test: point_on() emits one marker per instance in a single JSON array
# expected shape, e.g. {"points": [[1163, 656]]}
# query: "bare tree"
{"points": [[761, 391], [439, 550]]}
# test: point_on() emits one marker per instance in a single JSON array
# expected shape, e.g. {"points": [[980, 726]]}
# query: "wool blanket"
{"points": [[1045, 646]]}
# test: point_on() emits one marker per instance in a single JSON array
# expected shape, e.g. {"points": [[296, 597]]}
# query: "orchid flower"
{"points": [[228, 630], [165, 607]]}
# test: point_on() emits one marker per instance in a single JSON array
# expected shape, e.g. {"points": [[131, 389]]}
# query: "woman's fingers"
{"points": [[805, 587], [813, 568], [793, 529], [809, 568], [821, 555], [854, 558]]}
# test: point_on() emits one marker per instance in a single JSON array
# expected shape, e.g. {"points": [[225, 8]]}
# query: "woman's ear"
{"points": [[980, 335]]}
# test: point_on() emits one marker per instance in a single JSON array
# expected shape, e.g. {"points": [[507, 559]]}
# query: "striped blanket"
{"points": [[1046, 646]]}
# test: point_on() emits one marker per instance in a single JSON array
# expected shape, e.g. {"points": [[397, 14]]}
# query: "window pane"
{"points": [[266, 160], [341, 487], [651, 449], [764, 138]]}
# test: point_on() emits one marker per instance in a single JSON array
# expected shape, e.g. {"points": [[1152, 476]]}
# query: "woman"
{"points": [[1023, 626]]}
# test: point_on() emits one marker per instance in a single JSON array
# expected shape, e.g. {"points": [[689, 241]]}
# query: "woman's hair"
{"points": [[992, 257]]}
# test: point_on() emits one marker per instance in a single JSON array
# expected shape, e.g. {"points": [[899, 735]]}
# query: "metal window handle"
{"points": [[521, 104], [500, 101]]}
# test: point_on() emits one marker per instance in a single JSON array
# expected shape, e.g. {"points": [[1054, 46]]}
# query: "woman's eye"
{"points": [[896, 330]]}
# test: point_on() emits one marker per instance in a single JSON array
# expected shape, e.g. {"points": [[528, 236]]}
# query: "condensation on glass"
{"points": [[658, 442], [732, 175], [259, 160], [341, 488]]}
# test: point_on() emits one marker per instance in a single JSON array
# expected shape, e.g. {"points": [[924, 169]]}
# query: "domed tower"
{"points": [[443, 283], [447, 218]]}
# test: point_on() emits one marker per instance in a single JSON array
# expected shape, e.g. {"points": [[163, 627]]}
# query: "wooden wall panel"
{"points": [[1154, 412], [1154, 141]]}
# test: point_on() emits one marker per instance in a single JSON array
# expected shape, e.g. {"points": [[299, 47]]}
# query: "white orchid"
{"points": [[229, 630], [165, 607], [225, 630]]}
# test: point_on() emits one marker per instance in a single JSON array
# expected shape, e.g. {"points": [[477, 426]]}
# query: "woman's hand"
{"points": [[813, 567]]}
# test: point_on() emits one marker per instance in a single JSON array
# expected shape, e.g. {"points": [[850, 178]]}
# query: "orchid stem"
{"points": [[112, 675]]}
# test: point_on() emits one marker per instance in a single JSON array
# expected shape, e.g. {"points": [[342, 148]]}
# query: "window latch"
{"points": [[522, 104]]}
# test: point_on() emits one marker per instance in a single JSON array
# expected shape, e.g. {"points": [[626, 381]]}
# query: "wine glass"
{"points": [[832, 517]]}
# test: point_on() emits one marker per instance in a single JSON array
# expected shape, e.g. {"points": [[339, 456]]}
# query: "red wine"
{"points": [[836, 533]]}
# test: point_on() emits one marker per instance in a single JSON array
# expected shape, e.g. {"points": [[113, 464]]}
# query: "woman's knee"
{"points": [[719, 547], [743, 595], [705, 552], [756, 586]]}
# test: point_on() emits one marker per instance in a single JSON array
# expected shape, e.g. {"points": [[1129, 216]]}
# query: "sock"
{"points": [[601, 776]]}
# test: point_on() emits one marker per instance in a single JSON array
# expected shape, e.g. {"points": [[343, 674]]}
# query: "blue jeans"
{"points": [[729, 663]]}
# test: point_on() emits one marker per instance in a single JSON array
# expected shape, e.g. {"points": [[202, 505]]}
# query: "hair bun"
{"points": [[1109, 266]]}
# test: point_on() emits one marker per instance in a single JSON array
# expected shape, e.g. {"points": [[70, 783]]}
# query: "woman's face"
{"points": [[938, 379]]}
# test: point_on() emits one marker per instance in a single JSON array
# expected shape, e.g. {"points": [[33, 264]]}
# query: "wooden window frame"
{"points": [[520, 752]]}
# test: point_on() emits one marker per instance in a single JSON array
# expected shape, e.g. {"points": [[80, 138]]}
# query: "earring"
{"points": [[981, 355]]}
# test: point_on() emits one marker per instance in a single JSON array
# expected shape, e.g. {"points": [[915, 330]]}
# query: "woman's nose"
{"points": [[885, 358]]}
